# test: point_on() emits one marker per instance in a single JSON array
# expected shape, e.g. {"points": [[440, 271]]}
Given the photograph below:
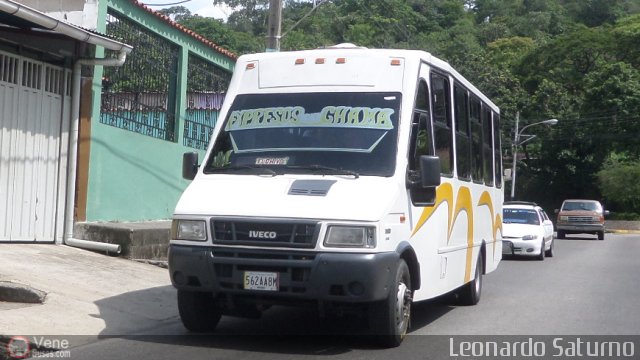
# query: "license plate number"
{"points": [[258, 280]]}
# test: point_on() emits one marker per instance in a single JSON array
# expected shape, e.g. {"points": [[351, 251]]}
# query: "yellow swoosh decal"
{"points": [[444, 193], [497, 225], [485, 199], [464, 203]]}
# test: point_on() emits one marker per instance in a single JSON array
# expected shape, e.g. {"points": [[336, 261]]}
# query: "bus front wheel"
{"points": [[198, 311], [391, 317]]}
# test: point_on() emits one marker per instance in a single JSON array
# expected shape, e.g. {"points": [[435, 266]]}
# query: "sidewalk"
{"points": [[86, 293]]}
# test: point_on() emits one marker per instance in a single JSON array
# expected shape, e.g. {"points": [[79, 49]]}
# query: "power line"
{"points": [[315, 6]]}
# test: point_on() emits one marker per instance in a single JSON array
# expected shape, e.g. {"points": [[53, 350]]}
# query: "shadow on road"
{"points": [[281, 330]]}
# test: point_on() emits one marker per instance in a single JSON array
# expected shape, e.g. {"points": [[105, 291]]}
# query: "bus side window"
{"points": [[440, 102], [476, 140], [421, 144], [463, 141], [497, 149], [487, 145]]}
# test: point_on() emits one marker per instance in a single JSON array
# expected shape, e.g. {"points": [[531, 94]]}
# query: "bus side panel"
{"points": [[426, 240], [448, 236]]}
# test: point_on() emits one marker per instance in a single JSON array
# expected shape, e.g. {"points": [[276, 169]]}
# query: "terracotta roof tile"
{"points": [[193, 34]]}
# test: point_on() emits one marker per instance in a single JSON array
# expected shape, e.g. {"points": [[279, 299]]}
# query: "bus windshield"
{"points": [[329, 133]]}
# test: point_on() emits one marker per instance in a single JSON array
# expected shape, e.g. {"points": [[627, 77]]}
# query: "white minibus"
{"points": [[341, 178]]}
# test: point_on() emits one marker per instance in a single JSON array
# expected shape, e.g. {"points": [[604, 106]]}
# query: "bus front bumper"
{"points": [[336, 277]]}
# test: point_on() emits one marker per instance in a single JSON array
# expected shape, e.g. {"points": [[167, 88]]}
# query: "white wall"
{"points": [[83, 13]]}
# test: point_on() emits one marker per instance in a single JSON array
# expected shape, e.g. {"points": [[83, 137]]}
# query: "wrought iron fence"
{"points": [[139, 96], [206, 87]]}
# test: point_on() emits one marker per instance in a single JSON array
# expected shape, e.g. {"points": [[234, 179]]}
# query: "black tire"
{"points": [[390, 318], [198, 311], [560, 234], [549, 253], [541, 256], [600, 235], [471, 292]]}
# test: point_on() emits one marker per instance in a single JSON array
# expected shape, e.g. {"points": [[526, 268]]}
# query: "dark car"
{"points": [[580, 216]]}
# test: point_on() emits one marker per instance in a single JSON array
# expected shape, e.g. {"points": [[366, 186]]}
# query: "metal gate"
{"points": [[34, 120]]}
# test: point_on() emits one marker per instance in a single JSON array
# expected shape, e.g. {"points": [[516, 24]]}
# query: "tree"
{"points": [[574, 60], [176, 13], [618, 182]]}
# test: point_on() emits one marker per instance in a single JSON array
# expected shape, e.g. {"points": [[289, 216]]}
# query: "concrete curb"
{"points": [[14, 292], [624, 231]]}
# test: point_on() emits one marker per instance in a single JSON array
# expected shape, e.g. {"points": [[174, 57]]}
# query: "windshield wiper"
{"points": [[262, 169], [326, 169]]}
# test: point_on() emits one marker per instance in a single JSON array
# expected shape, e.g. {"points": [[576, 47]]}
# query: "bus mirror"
{"points": [[429, 171], [189, 165]]}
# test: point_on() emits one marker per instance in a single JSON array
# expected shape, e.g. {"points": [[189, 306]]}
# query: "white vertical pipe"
{"points": [[73, 142]]}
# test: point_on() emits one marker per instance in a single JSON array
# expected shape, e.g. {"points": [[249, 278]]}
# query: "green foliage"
{"points": [[624, 216], [618, 181], [221, 159], [574, 60], [176, 13]]}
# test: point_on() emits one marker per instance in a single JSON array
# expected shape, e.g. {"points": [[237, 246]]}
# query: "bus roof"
{"points": [[343, 65]]}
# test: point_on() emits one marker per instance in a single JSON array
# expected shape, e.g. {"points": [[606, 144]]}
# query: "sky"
{"points": [[203, 8]]}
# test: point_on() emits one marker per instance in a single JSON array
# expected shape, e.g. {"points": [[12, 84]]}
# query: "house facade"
{"points": [[119, 157]]}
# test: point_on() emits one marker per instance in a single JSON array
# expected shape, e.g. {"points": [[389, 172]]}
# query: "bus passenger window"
{"points": [[476, 140], [443, 138], [463, 141], [497, 149], [487, 145]]}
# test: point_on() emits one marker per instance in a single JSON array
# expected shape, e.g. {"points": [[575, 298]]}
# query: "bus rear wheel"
{"points": [[470, 293], [390, 318]]}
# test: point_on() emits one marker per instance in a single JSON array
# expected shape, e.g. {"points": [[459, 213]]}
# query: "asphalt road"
{"points": [[589, 287]]}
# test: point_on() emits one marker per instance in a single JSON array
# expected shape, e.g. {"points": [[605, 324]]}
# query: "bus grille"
{"points": [[289, 234]]}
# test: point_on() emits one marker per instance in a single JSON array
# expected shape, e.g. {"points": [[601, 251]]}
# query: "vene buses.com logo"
{"points": [[18, 347]]}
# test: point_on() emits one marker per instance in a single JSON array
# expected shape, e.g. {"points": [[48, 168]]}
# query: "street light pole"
{"points": [[516, 142], [514, 153]]}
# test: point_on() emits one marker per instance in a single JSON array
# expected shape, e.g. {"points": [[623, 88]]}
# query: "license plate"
{"points": [[258, 280]]}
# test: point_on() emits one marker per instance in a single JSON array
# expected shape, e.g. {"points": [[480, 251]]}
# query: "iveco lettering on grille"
{"points": [[262, 234]]}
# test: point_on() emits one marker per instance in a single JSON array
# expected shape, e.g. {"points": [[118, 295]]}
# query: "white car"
{"points": [[526, 230]]}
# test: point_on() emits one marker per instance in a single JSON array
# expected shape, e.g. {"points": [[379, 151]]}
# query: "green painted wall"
{"points": [[133, 177]]}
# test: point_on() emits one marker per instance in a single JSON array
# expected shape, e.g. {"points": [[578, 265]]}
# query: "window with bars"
{"points": [[206, 87], [140, 95]]}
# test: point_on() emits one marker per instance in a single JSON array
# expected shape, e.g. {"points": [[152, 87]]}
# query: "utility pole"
{"points": [[274, 26]]}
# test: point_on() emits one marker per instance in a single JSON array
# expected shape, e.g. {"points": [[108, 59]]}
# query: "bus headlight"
{"points": [[350, 236], [189, 230]]}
